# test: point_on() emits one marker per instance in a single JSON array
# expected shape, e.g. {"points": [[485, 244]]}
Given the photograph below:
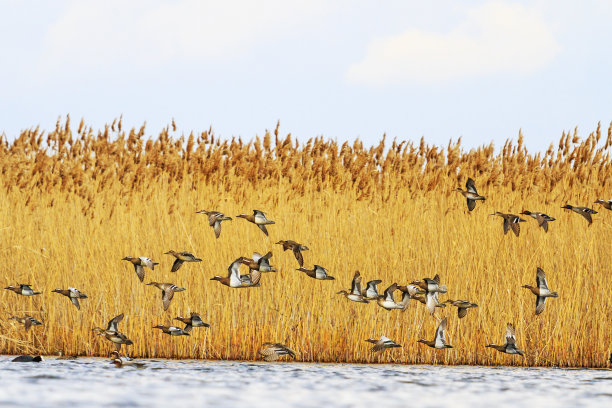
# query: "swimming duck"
{"points": [[119, 363], [607, 204], [62, 356], [470, 194], [439, 341], [274, 351], [387, 302], [140, 263], [511, 221], [371, 290], [462, 306], [180, 258], [382, 344], [171, 330], [296, 248], [27, 321], [22, 289], [355, 294], [27, 359], [258, 218], [259, 263], [112, 333], [317, 272], [541, 291], [116, 354], [214, 220], [509, 347], [235, 280], [168, 290], [73, 294], [541, 218], [584, 211], [194, 320]]}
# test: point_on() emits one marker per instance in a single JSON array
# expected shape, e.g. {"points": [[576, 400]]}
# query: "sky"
{"points": [[439, 69]]}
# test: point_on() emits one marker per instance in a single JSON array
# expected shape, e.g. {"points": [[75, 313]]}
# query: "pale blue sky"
{"points": [[345, 69]]}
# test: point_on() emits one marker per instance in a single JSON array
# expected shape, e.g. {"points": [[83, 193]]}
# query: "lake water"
{"points": [[94, 382]]}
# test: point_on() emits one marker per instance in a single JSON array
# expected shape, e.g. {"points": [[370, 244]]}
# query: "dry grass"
{"points": [[74, 204]]}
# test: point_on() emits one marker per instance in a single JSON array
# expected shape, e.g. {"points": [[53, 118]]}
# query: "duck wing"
{"points": [[298, 255], [75, 301], [541, 280], [471, 186], [167, 295], [440, 339], [510, 335], [540, 304], [114, 323], [176, 265], [471, 204], [140, 272], [356, 284], [217, 228], [263, 228], [586, 215]]}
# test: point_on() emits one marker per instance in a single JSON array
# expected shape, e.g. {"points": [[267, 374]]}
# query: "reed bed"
{"points": [[74, 202]]}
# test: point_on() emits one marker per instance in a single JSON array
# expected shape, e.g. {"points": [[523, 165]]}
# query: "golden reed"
{"points": [[74, 203]]}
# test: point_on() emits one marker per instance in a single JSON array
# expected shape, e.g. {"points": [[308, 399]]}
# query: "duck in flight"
{"points": [[73, 294], [355, 293], [259, 263], [112, 333], [235, 280], [387, 301], [258, 218], [214, 220], [181, 257], [462, 306], [23, 289], [274, 351], [172, 330], [607, 204], [295, 248], [439, 341], [584, 211], [194, 320], [27, 321], [509, 347], [511, 221], [541, 218], [470, 194], [541, 291], [371, 290], [168, 290], [139, 264], [317, 272], [382, 344]]}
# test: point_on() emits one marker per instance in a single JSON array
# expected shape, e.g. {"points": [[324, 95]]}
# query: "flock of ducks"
{"points": [[425, 291]]}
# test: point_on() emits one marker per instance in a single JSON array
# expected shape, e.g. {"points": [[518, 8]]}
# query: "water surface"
{"points": [[93, 382]]}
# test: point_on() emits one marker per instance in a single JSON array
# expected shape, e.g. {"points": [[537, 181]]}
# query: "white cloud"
{"points": [[94, 33], [496, 37]]}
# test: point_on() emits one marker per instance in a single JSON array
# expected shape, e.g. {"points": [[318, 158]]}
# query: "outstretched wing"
{"points": [[471, 204], [440, 340], [167, 296], [516, 227], [140, 272], [506, 226], [356, 284], [471, 186], [176, 265], [298, 255], [510, 334], [114, 323], [263, 228], [217, 228], [540, 304], [587, 216], [75, 301]]}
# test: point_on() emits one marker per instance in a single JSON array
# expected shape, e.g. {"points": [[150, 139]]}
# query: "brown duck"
{"points": [[584, 211], [295, 248], [258, 218], [470, 194], [511, 222], [214, 220], [541, 291], [168, 290]]}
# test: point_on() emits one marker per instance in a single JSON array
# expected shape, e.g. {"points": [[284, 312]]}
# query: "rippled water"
{"points": [[95, 382]]}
